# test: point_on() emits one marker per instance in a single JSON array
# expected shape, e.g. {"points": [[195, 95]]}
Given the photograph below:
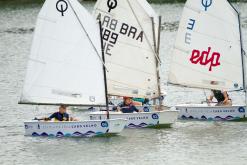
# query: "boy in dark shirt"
{"points": [[61, 115], [222, 98], [127, 106]]}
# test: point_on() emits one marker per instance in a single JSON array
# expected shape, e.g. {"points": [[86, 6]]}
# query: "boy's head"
{"points": [[127, 100], [62, 109]]}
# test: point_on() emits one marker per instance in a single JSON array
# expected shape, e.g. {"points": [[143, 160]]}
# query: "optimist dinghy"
{"points": [[208, 54], [131, 35], [65, 67]]}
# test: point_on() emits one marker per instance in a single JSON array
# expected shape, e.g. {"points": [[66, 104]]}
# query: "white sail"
{"points": [[129, 46], [207, 52], [64, 65]]}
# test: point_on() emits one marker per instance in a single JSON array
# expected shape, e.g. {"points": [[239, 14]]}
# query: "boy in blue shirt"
{"points": [[127, 106], [61, 115]]}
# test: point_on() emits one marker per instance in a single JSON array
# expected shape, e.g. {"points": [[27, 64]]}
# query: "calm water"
{"points": [[186, 143]]}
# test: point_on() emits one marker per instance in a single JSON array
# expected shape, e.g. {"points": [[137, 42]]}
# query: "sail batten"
{"points": [[65, 64], [207, 51]]}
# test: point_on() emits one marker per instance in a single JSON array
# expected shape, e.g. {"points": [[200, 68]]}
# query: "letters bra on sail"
{"points": [[129, 46]]}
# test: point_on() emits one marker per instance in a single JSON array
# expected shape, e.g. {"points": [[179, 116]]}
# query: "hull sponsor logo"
{"points": [[138, 118], [155, 116], [241, 109], [104, 124], [146, 109]]}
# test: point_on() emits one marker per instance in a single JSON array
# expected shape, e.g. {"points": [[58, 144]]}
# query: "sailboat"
{"points": [[208, 54], [65, 68], [131, 35]]}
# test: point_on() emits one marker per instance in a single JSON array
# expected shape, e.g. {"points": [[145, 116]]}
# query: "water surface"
{"points": [[193, 143]]}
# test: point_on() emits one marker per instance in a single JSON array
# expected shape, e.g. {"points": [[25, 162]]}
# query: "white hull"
{"points": [[74, 129], [141, 120], [206, 112], [147, 108]]}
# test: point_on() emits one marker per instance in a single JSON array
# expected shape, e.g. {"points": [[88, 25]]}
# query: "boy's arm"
{"points": [[137, 110], [225, 96], [211, 97], [52, 116]]}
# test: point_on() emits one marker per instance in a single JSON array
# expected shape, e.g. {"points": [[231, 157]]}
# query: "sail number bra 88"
{"points": [[112, 29]]}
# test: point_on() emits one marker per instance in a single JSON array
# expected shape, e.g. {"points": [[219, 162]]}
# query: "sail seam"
{"points": [[150, 45], [100, 58], [210, 36], [196, 87], [203, 72], [131, 68]]}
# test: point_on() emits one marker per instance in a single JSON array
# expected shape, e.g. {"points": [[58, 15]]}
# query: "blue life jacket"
{"points": [[60, 117], [128, 108]]}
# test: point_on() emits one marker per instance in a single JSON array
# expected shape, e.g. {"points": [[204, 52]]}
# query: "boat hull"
{"points": [[206, 112], [159, 119], [74, 129], [146, 108]]}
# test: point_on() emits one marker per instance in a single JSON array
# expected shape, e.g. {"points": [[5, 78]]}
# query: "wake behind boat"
{"points": [[66, 68], [131, 35], [208, 54]]}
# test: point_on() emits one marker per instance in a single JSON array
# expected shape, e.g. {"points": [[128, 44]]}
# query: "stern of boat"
{"points": [[168, 117], [116, 125], [211, 112]]}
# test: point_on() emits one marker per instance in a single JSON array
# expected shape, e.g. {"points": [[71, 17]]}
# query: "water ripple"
{"points": [[170, 26], [173, 26], [187, 142], [18, 30]]}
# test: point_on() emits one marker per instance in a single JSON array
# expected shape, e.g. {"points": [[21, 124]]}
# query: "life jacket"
{"points": [[128, 108], [219, 95]]}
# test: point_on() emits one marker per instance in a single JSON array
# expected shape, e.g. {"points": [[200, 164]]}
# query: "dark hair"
{"points": [[125, 98], [63, 106]]}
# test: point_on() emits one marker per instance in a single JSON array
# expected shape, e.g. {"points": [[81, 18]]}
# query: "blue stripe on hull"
{"points": [[217, 118], [75, 134]]}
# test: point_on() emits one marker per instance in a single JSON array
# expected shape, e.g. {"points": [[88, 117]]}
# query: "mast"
{"points": [[243, 60], [85, 32], [156, 48], [187, 69], [242, 53], [159, 32], [158, 64], [104, 70], [154, 36], [242, 50], [130, 39], [103, 59]]}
